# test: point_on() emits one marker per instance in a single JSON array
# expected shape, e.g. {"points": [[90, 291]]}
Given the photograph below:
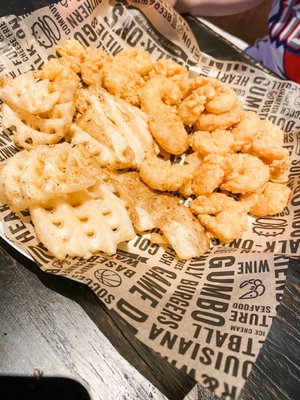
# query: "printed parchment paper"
{"points": [[208, 316]]}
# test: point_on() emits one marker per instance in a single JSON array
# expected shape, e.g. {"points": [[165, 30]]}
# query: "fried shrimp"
{"points": [[157, 97], [268, 143], [92, 66], [172, 70], [245, 131], [123, 76], [279, 170], [222, 216], [244, 173], [210, 122], [122, 82], [270, 201], [194, 160], [194, 104], [261, 138], [61, 79], [209, 175], [72, 54], [219, 141], [137, 60], [162, 175], [222, 102]]}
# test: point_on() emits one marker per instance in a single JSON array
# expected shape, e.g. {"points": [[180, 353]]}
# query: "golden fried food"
{"points": [[270, 201], [268, 142], [162, 175], [279, 170], [245, 131], [219, 141], [172, 70], [158, 99], [91, 68], [223, 217], [86, 117], [72, 54], [97, 216], [62, 79], [209, 175], [150, 210], [244, 173], [210, 122]]}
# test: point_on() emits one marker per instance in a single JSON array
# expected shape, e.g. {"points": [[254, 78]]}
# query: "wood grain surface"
{"points": [[59, 327]]}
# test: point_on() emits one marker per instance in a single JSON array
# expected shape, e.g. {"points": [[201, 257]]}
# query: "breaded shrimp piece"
{"points": [[72, 54], [227, 225], [194, 160], [212, 203], [61, 78], [209, 175], [219, 141], [162, 175], [270, 201], [157, 97], [223, 217], [122, 82], [137, 60], [122, 76], [268, 143], [279, 170], [172, 70], [244, 173], [245, 131], [210, 122], [92, 66], [194, 104], [223, 101]]}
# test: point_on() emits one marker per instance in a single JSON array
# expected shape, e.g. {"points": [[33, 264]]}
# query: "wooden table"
{"points": [[54, 327]]}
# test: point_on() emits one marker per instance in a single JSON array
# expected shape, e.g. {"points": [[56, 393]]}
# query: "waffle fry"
{"points": [[81, 224]]}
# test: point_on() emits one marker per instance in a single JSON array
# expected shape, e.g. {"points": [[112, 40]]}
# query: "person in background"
{"points": [[278, 22]]}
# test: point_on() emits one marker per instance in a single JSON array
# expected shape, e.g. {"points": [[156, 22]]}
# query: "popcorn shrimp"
{"points": [[270, 201], [245, 131], [92, 67], [222, 102], [172, 70], [219, 141], [279, 170], [137, 60], [244, 173], [268, 143], [72, 54], [162, 175], [209, 175], [194, 160], [222, 216], [61, 78], [210, 122], [194, 104], [122, 82], [157, 97]]}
